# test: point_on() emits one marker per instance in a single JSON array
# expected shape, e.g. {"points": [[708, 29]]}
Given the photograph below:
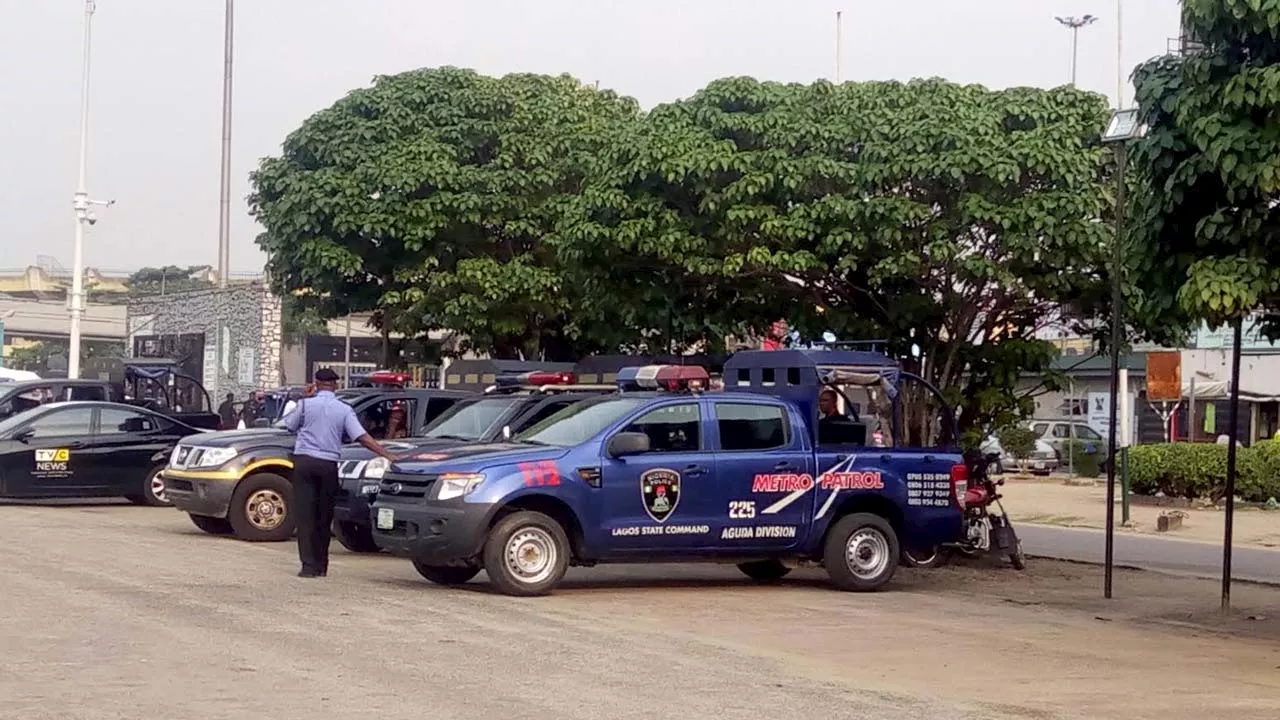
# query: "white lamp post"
{"points": [[82, 204], [1074, 24]]}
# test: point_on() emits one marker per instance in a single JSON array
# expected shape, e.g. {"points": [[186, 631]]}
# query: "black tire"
{"points": [[260, 508], [935, 557], [764, 570], [442, 575], [151, 494], [212, 525], [543, 534], [877, 544], [355, 537]]}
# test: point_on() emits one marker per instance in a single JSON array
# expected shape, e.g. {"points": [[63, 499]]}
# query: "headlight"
{"points": [[376, 468], [455, 485], [215, 456]]}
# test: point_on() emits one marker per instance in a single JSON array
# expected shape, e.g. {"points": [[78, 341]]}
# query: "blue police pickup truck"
{"points": [[516, 401], [804, 458]]}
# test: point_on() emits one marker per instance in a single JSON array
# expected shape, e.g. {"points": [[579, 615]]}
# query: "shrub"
{"points": [[1199, 470], [1084, 457], [1018, 441]]}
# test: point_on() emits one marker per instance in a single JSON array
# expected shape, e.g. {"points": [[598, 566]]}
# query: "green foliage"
{"points": [[946, 216], [1199, 470], [1085, 457], [1205, 229], [35, 357], [1017, 440], [538, 216], [429, 195], [299, 320], [167, 279]]}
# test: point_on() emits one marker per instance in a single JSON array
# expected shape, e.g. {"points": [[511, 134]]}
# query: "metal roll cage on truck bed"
{"points": [[662, 472]]}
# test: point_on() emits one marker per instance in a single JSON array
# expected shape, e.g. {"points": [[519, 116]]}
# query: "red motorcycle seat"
{"points": [[975, 496]]}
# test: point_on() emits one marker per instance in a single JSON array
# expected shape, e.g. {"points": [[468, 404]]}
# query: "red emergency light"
{"points": [[537, 378], [389, 377], [665, 377]]}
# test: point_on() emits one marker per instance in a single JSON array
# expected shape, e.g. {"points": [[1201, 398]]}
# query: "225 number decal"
{"points": [[742, 509]]}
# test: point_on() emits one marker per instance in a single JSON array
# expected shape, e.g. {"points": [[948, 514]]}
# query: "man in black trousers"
{"points": [[321, 421]]}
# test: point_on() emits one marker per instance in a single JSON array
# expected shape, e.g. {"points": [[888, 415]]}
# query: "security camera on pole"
{"points": [[82, 205]]}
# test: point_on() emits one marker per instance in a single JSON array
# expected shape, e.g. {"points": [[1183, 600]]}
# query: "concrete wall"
{"points": [[246, 318]]}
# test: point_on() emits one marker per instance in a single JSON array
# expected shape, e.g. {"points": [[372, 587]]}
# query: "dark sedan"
{"points": [[87, 449]]}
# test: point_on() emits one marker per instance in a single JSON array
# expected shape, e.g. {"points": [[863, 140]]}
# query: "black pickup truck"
{"points": [[18, 397], [238, 481]]}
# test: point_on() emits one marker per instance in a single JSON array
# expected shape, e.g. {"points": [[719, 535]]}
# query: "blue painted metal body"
{"points": [[726, 503]]}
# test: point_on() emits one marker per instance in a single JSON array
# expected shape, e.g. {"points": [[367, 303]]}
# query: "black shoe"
{"points": [[309, 574]]}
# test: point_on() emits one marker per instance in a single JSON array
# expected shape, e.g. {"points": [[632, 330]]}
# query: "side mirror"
{"points": [[627, 443], [24, 435], [506, 432]]}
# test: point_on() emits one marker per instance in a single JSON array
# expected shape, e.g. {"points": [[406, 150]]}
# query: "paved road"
{"points": [[1150, 553]]}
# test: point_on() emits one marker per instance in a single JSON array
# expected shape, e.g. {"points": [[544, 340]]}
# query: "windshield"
{"points": [[580, 421], [471, 420]]}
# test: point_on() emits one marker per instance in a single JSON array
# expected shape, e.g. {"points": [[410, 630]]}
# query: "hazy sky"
{"points": [[157, 82]]}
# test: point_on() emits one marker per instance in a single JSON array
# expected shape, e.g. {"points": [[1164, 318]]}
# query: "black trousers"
{"points": [[315, 492]]}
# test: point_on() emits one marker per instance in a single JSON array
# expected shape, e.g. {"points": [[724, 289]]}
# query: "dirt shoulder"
{"points": [[122, 612], [1050, 501]]}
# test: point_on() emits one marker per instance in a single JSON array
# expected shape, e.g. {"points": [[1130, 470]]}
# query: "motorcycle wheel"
{"points": [[1017, 557], [926, 559]]}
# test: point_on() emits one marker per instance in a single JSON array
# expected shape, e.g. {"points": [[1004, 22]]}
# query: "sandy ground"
{"points": [[120, 612], [1049, 501]]}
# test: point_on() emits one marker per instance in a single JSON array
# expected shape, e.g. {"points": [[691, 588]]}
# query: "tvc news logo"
{"points": [[49, 456]]}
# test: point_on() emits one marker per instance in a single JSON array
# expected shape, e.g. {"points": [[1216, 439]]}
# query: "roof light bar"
{"points": [[663, 377], [536, 378]]}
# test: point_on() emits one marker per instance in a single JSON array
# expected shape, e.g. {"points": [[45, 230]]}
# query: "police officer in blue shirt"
{"points": [[320, 421]]}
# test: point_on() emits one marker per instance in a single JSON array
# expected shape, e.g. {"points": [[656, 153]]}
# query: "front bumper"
{"points": [[434, 532], [199, 493], [352, 507]]}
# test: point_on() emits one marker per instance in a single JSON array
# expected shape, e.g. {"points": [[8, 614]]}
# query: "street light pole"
{"points": [[224, 216], [81, 204], [1124, 127], [1074, 24]]}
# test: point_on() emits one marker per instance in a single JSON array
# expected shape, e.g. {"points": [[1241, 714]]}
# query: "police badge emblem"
{"points": [[660, 492]]}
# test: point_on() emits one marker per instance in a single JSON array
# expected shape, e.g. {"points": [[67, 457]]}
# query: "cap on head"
{"points": [[325, 375]]}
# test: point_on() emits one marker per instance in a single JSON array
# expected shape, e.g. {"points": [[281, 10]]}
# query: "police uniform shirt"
{"points": [[320, 422]]}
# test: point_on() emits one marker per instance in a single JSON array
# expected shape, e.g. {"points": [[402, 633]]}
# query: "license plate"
{"points": [[386, 518], [1039, 466]]}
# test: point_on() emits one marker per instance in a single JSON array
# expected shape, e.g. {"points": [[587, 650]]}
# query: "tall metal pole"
{"points": [[1117, 319], [1119, 54], [1075, 42], [346, 357], [81, 204], [224, 216], [839, 45], [1232, 435]]}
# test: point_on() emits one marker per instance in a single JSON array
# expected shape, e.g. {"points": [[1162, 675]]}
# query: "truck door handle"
{"points": [[695, 470], [784, 465], [886, 458], [73, 445], [841, 458], [929, 458]]}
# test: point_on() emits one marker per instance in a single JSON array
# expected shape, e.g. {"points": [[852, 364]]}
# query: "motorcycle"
{"points": [[985, 530]]}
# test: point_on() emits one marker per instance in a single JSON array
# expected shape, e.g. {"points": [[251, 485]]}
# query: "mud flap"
{"points": [[1004, 539]]}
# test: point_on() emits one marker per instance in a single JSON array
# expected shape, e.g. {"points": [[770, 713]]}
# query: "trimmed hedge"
{"points": [[1199, 470], [1086, 458]]}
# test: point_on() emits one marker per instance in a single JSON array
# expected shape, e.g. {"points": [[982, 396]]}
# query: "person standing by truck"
{"points": [[320, 422]]}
